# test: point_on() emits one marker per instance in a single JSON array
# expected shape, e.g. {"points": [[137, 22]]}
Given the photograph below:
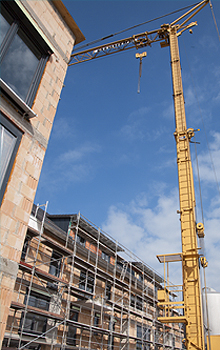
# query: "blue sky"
{"points": [[112, 154]]}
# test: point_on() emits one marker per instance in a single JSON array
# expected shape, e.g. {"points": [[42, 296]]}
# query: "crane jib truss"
{"points": [[168, 35]]}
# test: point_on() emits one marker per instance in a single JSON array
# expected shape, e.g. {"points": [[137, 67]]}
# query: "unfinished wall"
{"points": [[46, 21], [70, 296]]}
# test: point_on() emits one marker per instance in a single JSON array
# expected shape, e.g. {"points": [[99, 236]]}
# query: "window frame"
{"points": [[72, 329], [9, 9], [17, 133], [56, 262], [33, 316]]}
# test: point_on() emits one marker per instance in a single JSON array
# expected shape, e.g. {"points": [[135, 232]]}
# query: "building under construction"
{"points": [[77, 288]]}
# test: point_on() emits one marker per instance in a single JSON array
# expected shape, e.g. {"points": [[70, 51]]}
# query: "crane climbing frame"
{"points": [[192, 316]]}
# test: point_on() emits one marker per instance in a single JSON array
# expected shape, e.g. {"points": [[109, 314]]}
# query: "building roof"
{"points": [[69, 21]]}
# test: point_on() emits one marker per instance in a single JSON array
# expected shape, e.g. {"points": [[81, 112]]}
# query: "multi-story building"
{"points": [[37, 38], [78, 288]]}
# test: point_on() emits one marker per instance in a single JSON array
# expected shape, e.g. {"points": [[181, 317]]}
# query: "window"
{"points": [[146, 336], [82, 280], [105, 257], [96, 319], [25, 247], [139, 331], [140, 277], [110, 337], [139, 345], [86, 281], [55, 264], [71, 335], [90, 283], [174, 342], [136, 302], [23, 52], [10, 140], [139, 303], [132, 301], [80, 240], [35, 323], [108, 291], [147, 333]]}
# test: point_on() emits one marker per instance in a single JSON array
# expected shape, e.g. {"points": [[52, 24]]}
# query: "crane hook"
{"points": [[140, 55]]}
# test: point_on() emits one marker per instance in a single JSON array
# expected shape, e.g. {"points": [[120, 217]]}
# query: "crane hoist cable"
{"points": [[202, 119], [132, 27], [214, 19]]}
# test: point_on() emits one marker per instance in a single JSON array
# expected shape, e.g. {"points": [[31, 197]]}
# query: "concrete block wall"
{"points": [[21, 188]]}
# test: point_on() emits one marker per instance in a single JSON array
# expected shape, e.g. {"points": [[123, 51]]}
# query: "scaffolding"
{"points": [[78, 288]]}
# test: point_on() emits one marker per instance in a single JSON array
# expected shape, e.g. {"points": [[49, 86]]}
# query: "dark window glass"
{"points": [[106, 257], [139, 346], [96, 319], [147, 333], [86, 282], [139, 303], [19, 65], [4, 27], [10, 138], [140, 277], [108, 291], [139, 331], [22, 57], [35, 323], [71, 335], [55, 264], [82, 280], [80, 240], [90, 284], [111, 327], [132, 303], [25, 247]]}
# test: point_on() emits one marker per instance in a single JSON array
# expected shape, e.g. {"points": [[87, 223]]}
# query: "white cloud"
{"points": [[77, 154], [212, 244], [206, 162], [148, 230]]}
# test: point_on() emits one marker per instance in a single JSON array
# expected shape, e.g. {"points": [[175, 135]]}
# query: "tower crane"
{"points": [[192, 316]]}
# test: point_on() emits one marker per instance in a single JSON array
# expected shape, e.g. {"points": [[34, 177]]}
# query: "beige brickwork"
{"points": [[22, 184]]}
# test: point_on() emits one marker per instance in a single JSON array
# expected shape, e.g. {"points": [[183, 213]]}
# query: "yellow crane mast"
{"points": [[192, 316]]}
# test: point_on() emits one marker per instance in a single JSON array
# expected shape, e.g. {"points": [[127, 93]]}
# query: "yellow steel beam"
{"points": [[191, 278]]}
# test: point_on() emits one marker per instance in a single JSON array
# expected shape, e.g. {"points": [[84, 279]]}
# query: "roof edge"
{"points": [[69, 21]]}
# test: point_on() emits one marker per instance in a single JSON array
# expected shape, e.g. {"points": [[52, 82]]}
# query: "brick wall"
{"points": [[21, 188]]}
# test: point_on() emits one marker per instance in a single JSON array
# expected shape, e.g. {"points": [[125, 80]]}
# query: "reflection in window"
{"points": [[80, 240], [19, 65], [25, 247], [22, 57], [3, 28], [10, 138], [105, 257], [35, 323], [8, 141]]}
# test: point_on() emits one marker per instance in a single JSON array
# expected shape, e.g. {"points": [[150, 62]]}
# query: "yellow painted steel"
{"points": [[190, 256]]}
